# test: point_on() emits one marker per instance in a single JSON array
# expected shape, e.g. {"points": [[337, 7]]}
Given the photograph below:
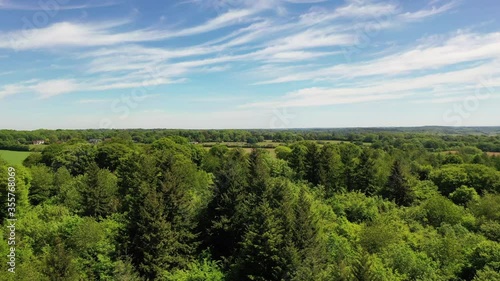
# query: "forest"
{"points": [[322, 204]]}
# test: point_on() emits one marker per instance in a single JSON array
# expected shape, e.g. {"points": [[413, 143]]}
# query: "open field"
{"points": [[323, 142], [456, 152], [14, 157], [242, 144]]}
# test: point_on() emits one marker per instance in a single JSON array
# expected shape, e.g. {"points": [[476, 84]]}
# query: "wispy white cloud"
{"points": [[93, 101], [53, 6], [460, 48], [6, 73], [123, 58], [425, 13], [70, 34], [50, 88], [436, 85]]}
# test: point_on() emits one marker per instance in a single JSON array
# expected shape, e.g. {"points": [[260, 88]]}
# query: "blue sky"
{"points": [[248, 64]]}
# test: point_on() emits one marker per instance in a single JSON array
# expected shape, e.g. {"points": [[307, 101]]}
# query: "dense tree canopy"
{"points": [[346, 204]]}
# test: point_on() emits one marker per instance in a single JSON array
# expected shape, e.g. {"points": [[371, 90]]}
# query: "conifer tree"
{"points": [[362, 269], [398, 188], [263, 249], [99, 192], [59, 263], [364, 175], [331, 170], [297, 161], [227, 213], [312, 163], [259, 172]]}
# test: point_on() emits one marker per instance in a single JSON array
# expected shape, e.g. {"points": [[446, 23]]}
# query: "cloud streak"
{"points": [[114, 55]]}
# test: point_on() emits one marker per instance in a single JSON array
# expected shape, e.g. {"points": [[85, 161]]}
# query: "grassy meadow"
{"points": [[14, 157]]}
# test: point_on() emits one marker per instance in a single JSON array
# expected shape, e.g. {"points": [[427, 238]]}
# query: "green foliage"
{"points": [[59, 263], [312, 163], [283, 152], [481, 178], [439, 210], [155, 205], [22, 185], [364, 177], [297, 160], [486, 256], [381, 233], [205, 270], [424, 190], [398, 187], [411, 264], [491, 230], [42, 184], [464, 195], [356, 206], [108, 155], [99, 192], [213, 160], [75, 158], [264, 254], [363, 269], [331, 169], [223, 221], [487, 274], [487, 207]]}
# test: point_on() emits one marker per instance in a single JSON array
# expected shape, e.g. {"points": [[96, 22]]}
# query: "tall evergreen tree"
{"points": [[312, 163], [398, 188], [362, 269], [297, 161], [262, 256], [259, 172], [364, 175], [331, 170], [227, 213], [311, 251], [162, 215], [151, 234], [59, 263], [99, 192], [349, 154]]}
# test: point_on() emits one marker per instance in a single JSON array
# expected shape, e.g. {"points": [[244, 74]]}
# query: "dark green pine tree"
{"points": [[151, 234], [349, 153], [364, 175], [312, 163], [362, 269], [227, 213], [312, 253], [161, 218], [99, 192], [59, 263], [262, 256], [180, 179], [297, 161], [331, 170], [398, 188], [259, 173]]}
